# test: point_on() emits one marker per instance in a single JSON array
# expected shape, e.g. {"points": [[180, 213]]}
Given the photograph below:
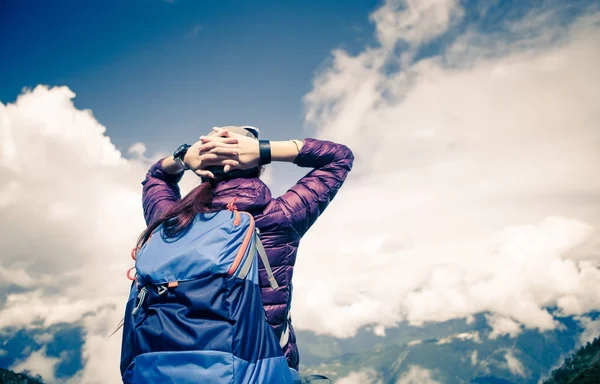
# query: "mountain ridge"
{"points": [[10, 377], [583, 367]]}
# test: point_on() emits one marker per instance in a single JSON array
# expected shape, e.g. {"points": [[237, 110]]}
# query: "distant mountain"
{"points": [[10, 377], [454, 351], [581, 368], [451, 352]]}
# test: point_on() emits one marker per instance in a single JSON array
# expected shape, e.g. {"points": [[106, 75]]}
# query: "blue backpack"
{"points": [[195, 313]]}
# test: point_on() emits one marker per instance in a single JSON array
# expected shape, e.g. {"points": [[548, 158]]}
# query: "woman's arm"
{"points": [[160, 190], [305, 201]]}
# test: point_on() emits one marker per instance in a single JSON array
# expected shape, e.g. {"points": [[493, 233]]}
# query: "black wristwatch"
{"points": [[179, 154], [264, 150]]}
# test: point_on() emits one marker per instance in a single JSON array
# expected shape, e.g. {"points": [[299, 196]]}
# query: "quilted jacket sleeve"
{"points": [[160, 192], [305, 201]]}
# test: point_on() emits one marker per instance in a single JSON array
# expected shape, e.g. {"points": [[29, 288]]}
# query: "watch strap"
{"points": [[264, 150], [180, 164]]}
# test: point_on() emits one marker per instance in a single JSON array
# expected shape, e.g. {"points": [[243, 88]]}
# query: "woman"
{"points": [[229, 160]]}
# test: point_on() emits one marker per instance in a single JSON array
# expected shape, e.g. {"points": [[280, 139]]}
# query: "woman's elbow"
{"points": [[346, 155]]}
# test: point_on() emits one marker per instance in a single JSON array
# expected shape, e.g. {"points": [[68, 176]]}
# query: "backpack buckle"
{"points": [[161, 289], [165, 287]]}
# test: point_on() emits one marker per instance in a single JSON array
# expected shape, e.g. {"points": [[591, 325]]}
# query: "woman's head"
{"points": [[177, 219], [245, 130]]}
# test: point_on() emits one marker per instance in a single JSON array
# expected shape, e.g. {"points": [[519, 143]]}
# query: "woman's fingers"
{"points": [[206, 157], [220, 131], [217, 160], [216, 147], [204, 173], [230, 165], [218, 139], [227, 165], [231, 152]]}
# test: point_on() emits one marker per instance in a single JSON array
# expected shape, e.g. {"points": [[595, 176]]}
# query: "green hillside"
{"points": [[581, 368], [10, 377]]}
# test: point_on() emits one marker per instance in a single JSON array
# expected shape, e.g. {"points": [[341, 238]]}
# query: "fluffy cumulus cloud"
{"points": [[514, 365], [40, 364], [362, 377], [71, 212], [591, 329], [475, 187], [417, 375]]}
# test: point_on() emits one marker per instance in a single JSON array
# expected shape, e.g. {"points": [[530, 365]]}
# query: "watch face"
{"points": [[180, 152]]}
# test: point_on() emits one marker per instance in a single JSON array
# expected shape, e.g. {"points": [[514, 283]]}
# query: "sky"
{"points": [[179, 67], [475, 127]]}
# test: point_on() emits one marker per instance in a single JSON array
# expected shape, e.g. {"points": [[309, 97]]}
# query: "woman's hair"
{"points": [[178, 218]]}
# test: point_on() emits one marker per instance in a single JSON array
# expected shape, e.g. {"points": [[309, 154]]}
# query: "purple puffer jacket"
{"points": [[282, 221]]}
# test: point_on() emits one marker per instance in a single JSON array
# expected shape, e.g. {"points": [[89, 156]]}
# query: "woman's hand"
{"points": [[224, 154], [222, 144]]}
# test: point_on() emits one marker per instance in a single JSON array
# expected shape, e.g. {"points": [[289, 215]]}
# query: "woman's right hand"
{"points": [[222, 143]]}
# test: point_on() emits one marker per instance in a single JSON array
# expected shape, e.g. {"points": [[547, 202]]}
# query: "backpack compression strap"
{"points": [[285, 335], [263, 256], [311, 378]]}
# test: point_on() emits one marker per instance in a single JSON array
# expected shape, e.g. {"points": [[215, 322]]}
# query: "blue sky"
{"points": [[150, 67]]}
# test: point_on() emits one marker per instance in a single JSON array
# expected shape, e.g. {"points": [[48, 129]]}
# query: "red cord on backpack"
{"points": [[134, 252], [231, 205], [129, 276]]}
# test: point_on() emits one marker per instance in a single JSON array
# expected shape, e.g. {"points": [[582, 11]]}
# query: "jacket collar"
{"points": [[251, 194]]}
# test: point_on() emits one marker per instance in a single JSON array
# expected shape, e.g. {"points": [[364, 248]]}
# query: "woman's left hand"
{"points": [[198, 158]]}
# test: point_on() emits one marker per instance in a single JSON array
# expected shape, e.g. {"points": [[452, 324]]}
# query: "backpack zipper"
{"points": [[243, 248], [242, 272], [253, 231]]}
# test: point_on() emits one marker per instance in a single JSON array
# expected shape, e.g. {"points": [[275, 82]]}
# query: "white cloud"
{"points": [[43, 338], [362, 377], [474, 188], [474, 358], [38, 363], [71, 212], [20, 278], [417, 375], [469, 336], [514, 365], [414, 21], [137, 149], [379, 330], [503, 326], [102, 354], [591, 329], [466, 336]]}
